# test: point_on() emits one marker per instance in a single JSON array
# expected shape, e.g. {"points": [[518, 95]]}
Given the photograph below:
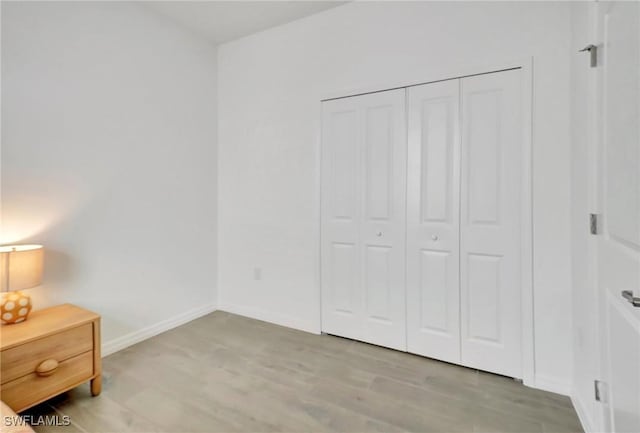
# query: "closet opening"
{"points": [[426, 220]]}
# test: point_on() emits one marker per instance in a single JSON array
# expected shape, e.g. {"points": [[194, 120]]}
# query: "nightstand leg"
{"points": [[96, 385]]}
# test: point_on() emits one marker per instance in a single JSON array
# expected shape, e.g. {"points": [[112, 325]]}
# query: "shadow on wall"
{"points": [[59, 271], [59, 267]]}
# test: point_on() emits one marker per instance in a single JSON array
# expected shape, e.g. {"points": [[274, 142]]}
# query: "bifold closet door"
{"points": [[433, 230], [463, 221], [363, 218], [490, 222]]}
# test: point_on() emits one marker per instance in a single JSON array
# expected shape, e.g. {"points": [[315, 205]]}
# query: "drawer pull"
{"points": [[47, 368]]}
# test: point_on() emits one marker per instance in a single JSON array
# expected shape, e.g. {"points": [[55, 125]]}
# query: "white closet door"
{"points": [[363, 218], [490, 226], [433, 206]]}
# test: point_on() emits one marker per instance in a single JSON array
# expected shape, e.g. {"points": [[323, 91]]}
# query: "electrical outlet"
{"points": [[257, 274]]}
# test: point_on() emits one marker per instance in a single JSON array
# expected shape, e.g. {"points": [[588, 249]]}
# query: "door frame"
{"points": [[414, 78]]}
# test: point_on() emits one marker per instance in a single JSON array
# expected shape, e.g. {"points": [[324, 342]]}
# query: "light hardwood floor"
{"points": [[226, 373]]}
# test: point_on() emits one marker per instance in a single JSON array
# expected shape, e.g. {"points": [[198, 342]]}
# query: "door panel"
{"points": [[490, 229], [619, 188], [624, 373], [378, 283], [340, 219], [344, 163], [364, 174], [436, 195], [622, 112], [484, 107], [484, 306], [383, 224], [379, 167], [343, 277], [433, 198], [434, 285]]}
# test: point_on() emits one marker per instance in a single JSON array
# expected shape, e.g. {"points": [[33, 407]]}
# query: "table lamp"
{"points": [[20, 269]]}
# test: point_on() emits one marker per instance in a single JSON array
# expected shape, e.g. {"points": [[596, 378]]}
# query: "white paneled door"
{"points": [[363, 218], [618, 185], [433, 215], [459, 167], [490, 229], [463, 221]]}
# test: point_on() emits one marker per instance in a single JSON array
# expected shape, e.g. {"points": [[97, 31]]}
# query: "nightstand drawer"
{"points": [[31, 389], [24, 359]]}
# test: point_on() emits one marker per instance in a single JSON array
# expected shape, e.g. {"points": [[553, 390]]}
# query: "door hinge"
{"points": [[594, 223], [596, 390], [601, 391], [593, 52]]}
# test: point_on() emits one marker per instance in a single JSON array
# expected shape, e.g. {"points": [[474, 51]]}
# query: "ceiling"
{"points": [[222, 21]]}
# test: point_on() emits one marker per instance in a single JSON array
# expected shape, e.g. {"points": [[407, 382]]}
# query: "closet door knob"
{"points": [[379, 234], [435, 237]]}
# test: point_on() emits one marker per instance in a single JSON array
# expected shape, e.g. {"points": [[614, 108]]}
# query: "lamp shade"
{"points": [[20, 267]]}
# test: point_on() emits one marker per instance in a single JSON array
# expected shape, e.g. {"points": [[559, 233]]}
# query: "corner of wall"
{"points": [[271, 317], [120, 343]]}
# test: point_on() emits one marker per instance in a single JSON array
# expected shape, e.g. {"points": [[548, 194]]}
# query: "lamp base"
{"points": [[15, 307]]}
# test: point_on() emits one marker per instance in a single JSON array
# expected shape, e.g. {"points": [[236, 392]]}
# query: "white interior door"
{"points": [[619, 184], [490, 222], [363, 218], [433, 230]]}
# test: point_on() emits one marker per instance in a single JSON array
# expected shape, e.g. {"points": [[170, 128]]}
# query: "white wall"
{"points": [[108, 159], [270, 85]]}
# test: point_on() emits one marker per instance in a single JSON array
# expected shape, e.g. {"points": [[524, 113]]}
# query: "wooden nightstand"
{"points": [[54, 350]]}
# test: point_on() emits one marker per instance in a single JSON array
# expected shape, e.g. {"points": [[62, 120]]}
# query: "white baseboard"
{"points": [[583, 415], [271, 317], [551, 384], [132, 338]]}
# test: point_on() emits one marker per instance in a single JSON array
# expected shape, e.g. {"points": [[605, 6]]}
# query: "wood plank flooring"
{"points": [[226, 373]]}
